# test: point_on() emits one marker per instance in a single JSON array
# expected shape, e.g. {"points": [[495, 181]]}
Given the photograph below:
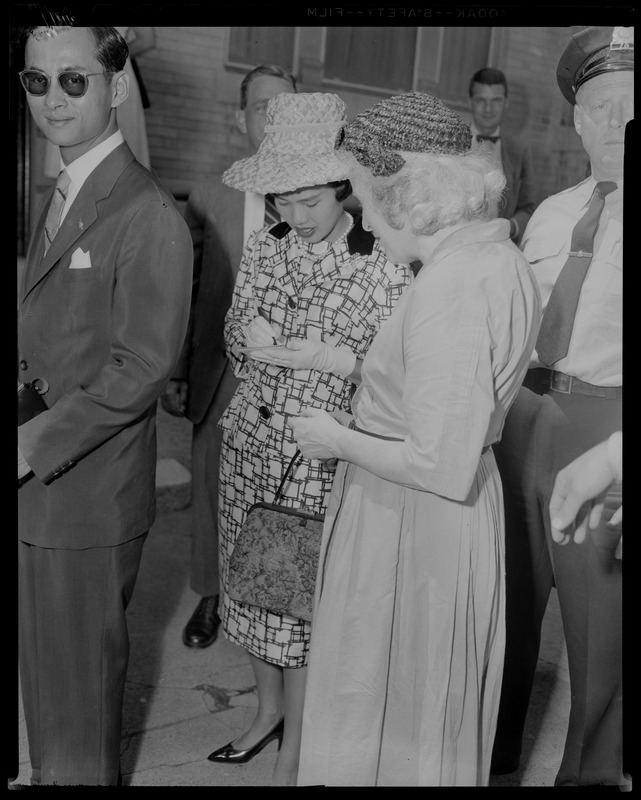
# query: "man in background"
{"points": [[220, 220], [488, 102]]}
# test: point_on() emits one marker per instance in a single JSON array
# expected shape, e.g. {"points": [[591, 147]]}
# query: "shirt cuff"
{"points": [[615, 454]]}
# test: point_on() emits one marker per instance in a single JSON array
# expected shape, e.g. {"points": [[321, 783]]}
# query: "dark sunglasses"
{"points": [[72, 83]]}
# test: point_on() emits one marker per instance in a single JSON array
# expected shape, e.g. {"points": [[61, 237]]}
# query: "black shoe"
{"points": [[229, 755], [504, 765], [202, 628]]}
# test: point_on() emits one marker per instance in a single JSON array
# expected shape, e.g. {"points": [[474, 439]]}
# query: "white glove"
{"points": [[317, 433], [309, 354], [260, 333]]}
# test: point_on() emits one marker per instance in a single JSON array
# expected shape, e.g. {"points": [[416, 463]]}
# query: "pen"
{"points": [[265, 317]]}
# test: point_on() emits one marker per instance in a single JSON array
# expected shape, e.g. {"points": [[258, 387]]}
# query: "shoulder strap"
{"points": [[285, 476]]}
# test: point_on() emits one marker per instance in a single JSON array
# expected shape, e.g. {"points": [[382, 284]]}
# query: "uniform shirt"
{"points": [[595, 352]]}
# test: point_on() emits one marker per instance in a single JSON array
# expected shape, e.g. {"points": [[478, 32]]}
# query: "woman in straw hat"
{"points": [[407, 642], [317, 284]]}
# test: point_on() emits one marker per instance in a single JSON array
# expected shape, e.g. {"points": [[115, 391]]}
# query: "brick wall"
{"points": [[190, 121]]}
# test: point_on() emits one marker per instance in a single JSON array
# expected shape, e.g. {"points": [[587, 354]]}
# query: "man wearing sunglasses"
{"points": [[103, 310]]}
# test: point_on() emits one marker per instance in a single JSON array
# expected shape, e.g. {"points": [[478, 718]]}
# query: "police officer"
{"points": [[570, 401]]}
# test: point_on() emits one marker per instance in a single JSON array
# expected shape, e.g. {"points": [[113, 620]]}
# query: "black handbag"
{"points": [[30, 404], [30, 400], [275, 558]]}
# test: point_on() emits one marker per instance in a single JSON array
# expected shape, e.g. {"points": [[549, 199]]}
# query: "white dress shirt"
{"points": [[492, 149], [254, 218]]}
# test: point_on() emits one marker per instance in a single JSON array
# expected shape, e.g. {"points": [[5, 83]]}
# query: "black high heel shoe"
{"points": [[229, 755]]}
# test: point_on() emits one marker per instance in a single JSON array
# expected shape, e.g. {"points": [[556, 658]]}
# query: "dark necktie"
{"points": [[271, 215], [52, 223], [558, 320], [481, 138]]}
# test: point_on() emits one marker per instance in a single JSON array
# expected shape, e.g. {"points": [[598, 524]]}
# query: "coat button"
{"points": [[24, 364], [264, 412]]}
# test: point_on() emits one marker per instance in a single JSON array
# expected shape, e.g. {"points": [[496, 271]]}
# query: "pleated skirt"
{"points": [[408, 635]]}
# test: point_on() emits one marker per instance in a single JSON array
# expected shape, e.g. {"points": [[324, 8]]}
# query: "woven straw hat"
{"points": [[298, 148], [413, 122]]}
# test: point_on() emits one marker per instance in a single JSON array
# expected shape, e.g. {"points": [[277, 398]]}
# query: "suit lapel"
{"points": [[35, 248], [507, 157], [80, 217]]}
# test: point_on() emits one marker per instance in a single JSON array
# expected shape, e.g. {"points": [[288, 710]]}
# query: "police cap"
{"points": [[593, 51]]}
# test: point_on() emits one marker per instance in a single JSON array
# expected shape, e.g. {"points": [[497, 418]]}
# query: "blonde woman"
{"points": [[408, 636]]}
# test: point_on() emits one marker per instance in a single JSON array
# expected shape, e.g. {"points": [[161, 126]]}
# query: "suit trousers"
{"points": [[545, 431], [205, 460], [74, 650]]}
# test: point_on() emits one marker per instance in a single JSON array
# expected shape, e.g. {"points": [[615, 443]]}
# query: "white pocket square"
{"points": [[80, 260]]}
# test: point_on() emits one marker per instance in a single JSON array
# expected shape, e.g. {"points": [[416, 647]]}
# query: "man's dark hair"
{"points": [[263, 69], [489, 77], [111, 48]]}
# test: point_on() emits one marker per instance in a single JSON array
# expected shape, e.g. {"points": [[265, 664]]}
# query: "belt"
{"points": [[355, 427], [541, 380]]}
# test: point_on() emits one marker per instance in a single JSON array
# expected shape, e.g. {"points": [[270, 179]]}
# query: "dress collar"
{"points": [[497, 230]]}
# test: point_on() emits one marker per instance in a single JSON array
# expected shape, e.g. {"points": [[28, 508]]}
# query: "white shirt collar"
{"points": [[80, 169], [475, 131]]}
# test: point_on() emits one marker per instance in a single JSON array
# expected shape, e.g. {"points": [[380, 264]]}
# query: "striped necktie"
{"points": [[54, 214], [558, 320], [271, 215]]}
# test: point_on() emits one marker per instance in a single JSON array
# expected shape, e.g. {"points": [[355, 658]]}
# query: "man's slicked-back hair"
{"points": [[489, 77], [111, 48], [264, 69]]}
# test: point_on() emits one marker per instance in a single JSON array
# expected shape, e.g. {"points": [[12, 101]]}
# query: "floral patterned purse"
{"points": [[274, 561]]}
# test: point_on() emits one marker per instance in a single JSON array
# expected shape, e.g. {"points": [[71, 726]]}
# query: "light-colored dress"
{"points": [[339, 293], [407, 644]]}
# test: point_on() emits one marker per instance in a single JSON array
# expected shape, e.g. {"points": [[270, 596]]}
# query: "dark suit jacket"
{"points": [[106, 338], [214, 215], [518, 197]]}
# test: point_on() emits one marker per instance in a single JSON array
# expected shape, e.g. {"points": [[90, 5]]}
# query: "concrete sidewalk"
{"points": [[182, 703]]}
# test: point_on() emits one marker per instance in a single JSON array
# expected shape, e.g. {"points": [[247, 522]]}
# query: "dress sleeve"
{"points": [[448, 398]]}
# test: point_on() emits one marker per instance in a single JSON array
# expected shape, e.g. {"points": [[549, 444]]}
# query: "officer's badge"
{"points": [[622, 39]]}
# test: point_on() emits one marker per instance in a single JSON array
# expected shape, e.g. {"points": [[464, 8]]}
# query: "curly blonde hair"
{"points": [[431, 191]]}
